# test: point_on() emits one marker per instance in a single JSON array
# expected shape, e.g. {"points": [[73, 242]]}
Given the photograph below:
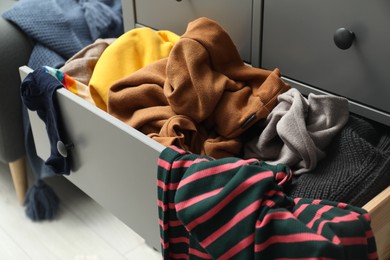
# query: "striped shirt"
{"points": [[232, 208]]}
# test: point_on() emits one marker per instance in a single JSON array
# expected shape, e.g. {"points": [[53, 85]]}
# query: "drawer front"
{"points": [[111, 162], [298, 38], [234, 16]]}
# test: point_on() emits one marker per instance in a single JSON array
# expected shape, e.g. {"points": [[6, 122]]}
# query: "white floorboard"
{"points": [[83, 230], [9, 249]]}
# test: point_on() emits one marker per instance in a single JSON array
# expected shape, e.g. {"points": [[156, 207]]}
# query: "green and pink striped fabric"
{"points": [[232, 208]]}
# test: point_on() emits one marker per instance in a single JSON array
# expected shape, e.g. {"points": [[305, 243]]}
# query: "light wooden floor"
{"points": [[82, 231]]}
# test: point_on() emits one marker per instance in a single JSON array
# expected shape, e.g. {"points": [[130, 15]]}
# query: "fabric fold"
{"points": [[233, 208], [298, 130], [130, 52], [81, 65], [204, 79]]}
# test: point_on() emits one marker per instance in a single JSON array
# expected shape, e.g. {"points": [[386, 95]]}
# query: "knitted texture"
{"points": [[356, 169], [60, 28], [232, 208]]}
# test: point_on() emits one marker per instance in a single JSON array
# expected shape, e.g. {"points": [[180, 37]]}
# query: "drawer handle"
{"points": [[343, 38], [63, 148]]}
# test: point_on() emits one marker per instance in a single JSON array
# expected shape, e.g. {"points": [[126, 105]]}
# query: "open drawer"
{"points": [[112, 162], [116, 165]]}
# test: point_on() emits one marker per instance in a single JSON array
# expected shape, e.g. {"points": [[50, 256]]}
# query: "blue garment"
{"points": [[60, 28], [37, 165], [37, 91]]}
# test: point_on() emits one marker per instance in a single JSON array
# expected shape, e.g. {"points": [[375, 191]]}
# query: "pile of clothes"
{"points": [[245, 151]]}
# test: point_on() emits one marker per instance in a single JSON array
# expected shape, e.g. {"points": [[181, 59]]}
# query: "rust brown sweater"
{"points": [[202, 97]]}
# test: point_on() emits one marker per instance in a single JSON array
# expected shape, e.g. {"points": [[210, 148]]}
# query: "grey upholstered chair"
{"points": [[15, 50]]}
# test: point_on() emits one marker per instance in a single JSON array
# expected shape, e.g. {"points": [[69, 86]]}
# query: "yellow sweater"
{"points": [[130, 52]]}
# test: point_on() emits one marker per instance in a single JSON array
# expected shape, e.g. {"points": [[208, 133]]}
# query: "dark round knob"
{"points": [[343, 38]]}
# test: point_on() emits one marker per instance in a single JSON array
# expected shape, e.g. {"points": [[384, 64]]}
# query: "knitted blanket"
{"points": [[60, 28]]}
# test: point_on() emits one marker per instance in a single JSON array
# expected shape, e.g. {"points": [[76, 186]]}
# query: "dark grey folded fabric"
{"points": [[356, 169]]}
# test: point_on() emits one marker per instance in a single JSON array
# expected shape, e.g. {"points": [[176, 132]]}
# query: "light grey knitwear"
{"points": [[298, 130]]}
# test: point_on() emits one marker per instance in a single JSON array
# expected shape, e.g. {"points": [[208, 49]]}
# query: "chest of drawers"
{"points": [[234, 16], [269, 34]]}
